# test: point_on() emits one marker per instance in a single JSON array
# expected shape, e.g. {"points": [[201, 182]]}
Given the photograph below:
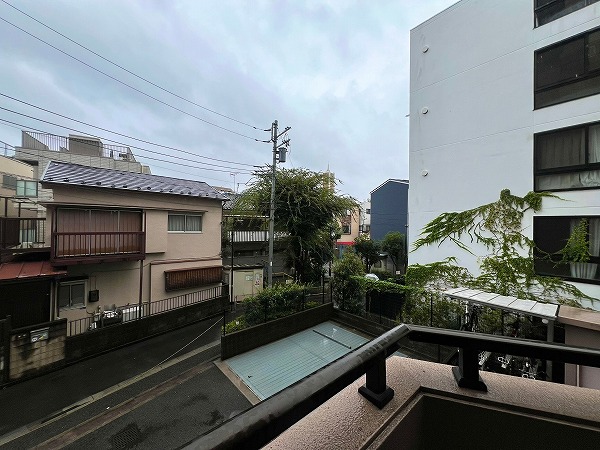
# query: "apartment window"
{"points": [[186, 223], [568, 70], [548, 10], [71, 294], [568, 159], [345, 228], [191, 278], [26, 188], [9, 182], [551, 234], [368, 211]]}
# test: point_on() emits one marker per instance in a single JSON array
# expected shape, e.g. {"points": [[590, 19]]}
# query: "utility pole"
{"points": [[278, 154]]}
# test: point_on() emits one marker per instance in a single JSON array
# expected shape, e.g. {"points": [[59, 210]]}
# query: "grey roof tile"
{"points": [[77, 175]]}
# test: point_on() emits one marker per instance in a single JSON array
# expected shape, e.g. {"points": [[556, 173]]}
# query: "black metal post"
{"points": [[375, 389], [467, 372]]}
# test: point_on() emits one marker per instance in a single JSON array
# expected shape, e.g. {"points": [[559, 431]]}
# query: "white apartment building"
{"points": [[506, 95]]}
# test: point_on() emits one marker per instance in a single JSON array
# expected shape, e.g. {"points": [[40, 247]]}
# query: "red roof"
{"points": [[30, 269]]}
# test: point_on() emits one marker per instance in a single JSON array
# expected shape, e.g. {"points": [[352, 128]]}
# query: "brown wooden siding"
{"points": [[191, 278]]}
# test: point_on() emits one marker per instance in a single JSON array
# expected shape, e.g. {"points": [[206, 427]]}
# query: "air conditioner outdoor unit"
{"points": [[131, 313]]}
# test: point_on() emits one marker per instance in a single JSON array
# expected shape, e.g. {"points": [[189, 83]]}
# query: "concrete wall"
{"points": [[108, 338], [242, 341], [582, 329], [472, 119], [29, 358]]}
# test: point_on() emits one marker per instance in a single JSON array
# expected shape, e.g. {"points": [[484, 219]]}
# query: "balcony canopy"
{"points": [[513, 304]]}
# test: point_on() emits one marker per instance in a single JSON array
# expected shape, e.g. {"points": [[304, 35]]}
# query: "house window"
{"points": [[71, 294], [185, 223], [191, 278], [568, 70], [568, 159], [26, 188], [345, 228], [551, 234], [368, 211], [548, 10]]}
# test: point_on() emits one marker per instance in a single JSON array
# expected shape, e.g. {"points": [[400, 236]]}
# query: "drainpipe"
{"points": [[141, 285]]}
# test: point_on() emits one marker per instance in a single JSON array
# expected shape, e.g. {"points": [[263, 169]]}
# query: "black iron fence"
{"points": [[123, 314]]}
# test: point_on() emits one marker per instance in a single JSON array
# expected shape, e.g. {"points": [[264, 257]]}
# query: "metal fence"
{"points": [[127, 313]]}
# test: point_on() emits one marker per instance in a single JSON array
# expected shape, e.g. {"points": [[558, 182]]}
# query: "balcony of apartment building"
{"points": [[35, 145], [20, 235], [94, 235], [372, 398]]}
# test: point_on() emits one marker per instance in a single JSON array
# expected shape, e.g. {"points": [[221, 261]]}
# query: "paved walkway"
{"points": [[36, 410]]}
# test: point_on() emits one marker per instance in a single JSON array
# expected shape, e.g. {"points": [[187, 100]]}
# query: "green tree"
{"points": [[368, 250], [508, 268], [306, 212], [394, 244], [348, 291]]}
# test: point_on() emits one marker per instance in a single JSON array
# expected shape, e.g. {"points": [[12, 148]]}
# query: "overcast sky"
{"points": [[336, 72]]}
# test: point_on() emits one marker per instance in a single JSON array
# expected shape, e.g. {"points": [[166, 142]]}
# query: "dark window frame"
{"points": [[547, 4], [586, 76], [70, 283], [587, 166], [555, 258]]}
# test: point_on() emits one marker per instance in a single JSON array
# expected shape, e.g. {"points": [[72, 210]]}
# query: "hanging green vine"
{"points": [[508, 268]]}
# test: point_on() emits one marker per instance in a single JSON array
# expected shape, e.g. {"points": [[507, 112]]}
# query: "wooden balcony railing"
{"points": [[78, 247]]}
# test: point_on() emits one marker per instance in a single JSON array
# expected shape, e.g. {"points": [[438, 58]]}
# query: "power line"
{"points": [[127, 70], [128, 85], [224, 168], [121, 134]]}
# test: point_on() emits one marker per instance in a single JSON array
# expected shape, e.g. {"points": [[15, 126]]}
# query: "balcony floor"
{"points": [[429, 410]]}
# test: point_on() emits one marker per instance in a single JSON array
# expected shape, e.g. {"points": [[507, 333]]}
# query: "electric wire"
{"points": [[224, 168], [128, 85], [127, 70], [121, 134]]}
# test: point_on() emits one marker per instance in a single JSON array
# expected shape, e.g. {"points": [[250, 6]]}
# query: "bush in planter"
{"points": [[272, 303]]}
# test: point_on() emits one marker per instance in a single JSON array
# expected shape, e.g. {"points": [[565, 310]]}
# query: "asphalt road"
{"points": [[122, 399]]}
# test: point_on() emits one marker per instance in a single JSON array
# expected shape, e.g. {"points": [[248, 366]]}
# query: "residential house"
{"points": [[506, 96], [389, 212], [349, 230], [389, 208], [123, 238]]}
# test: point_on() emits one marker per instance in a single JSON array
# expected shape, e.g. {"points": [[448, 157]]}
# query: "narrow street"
{"points": [[125, 398]]}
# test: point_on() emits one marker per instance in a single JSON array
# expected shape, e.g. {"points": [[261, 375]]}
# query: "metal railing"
{"points": [[76, 145], [96, 243], [130, 312], [262, 423], [22, 233]]}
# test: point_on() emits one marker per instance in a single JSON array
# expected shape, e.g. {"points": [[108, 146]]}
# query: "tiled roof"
{"points": [[77, 175]]}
